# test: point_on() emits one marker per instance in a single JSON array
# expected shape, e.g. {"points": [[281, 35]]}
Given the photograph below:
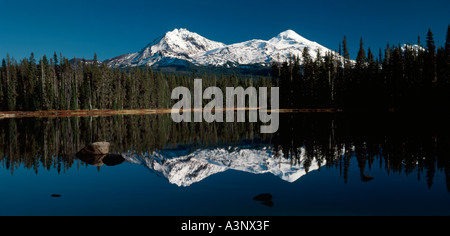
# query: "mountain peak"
{"points": [[185, 42], [289, 35], [179, 32]]}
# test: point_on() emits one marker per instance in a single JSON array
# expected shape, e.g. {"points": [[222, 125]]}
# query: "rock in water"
{"points": [[113, 159], [263, 197], [366, 178], [95, 160], [98, 148]]}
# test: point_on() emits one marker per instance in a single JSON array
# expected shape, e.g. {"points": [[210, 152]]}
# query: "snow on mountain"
{"points": [[174, 47], [414, 47], [249, 52], [278, 49], [183, 167], [180, 46], [290, 43]]}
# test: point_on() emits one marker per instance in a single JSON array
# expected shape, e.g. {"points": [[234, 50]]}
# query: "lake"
{"points": [[316, 164]]}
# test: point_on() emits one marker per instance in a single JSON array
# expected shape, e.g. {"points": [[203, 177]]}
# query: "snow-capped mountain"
{"points": [[180, 47], [174, 47], [278, 49], [183, 167]]}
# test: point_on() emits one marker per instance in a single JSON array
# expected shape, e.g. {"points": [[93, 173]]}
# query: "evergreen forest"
{"points": [[398, 78]]}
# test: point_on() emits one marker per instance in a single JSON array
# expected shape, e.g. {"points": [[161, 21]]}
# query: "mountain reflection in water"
{"points": [[187, 153], [183, 168]]}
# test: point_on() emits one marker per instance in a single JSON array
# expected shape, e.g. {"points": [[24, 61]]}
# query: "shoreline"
{"points": [[109, 112]]}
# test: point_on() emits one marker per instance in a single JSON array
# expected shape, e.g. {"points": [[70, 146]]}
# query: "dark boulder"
{"points": [[97, 154], [113, 159], [366, 178], [98, 148], [263, 197]]}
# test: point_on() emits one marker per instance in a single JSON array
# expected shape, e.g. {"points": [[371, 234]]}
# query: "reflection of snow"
{"points": [[183, 168]]}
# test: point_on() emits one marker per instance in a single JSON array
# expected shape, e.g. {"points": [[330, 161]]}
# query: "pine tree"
{"points": [[430, 59], [345, 48], [33, 87], [74, 97], [43, 64], [2, 85], [397, 83], [431, 47], [361, 57], [347, 66], [372, 65], [308, 77], [447, 41], [447, 57], [360, 64], [443, 71], [10, 85]]}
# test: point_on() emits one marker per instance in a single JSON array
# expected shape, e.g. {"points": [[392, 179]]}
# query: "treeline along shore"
{"points": [[400, 78]]}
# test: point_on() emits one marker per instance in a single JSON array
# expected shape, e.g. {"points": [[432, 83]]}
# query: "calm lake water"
{"points": [[317, 164]]}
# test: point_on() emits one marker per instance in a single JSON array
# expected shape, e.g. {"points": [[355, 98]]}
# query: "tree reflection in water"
{"points": [[398, 143]]}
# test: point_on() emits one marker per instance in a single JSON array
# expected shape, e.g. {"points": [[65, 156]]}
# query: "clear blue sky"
{"points": [[110, 28]]}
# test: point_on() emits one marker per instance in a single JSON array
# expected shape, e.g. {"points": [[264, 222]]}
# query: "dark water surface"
{"points": [[317, 164]]}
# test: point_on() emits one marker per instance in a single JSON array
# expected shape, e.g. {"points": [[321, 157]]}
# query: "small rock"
{"points": [[97, 148], [263, 197], [366, 178]]}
